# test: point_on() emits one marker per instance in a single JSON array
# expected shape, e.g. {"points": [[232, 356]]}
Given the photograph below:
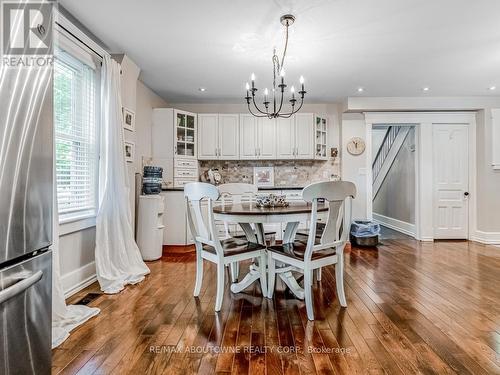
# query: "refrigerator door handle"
{"points": [[19, 287]]}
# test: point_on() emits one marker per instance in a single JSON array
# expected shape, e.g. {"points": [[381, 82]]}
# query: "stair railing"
{"points": [[383, 151]]}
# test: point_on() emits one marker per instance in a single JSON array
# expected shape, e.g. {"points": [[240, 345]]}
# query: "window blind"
{"points": [[75, 135]]}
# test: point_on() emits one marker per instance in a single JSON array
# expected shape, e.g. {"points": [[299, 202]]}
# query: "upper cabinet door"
{"points": [[285, 138], [248, 137], [208, 144], [304, 131], [185, 134], [229, 139], [267, 138]]}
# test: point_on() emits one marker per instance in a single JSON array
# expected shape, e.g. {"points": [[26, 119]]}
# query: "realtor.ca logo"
{"points": [[26, 33]]}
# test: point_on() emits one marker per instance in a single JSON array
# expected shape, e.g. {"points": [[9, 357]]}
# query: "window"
{"points": [[75, 109]]}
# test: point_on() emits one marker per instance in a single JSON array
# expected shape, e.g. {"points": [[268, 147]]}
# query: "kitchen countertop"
{"points": [[260, 188]]}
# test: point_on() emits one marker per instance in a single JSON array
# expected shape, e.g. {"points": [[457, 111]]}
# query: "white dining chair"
{"points": [[207, 242], [235, 193], [323, 251]]}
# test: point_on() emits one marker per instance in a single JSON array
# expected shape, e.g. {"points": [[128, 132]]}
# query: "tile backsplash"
{"points": [[286, 172]]}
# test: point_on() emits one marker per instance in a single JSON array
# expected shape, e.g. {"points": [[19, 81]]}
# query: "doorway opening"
{"points": [[394, 177]]}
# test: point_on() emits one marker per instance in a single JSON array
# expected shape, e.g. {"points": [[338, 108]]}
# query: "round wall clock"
{"points": [[356, 146]]}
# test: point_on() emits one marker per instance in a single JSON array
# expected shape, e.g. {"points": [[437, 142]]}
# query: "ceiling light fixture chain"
{"points": [[278, 71]]}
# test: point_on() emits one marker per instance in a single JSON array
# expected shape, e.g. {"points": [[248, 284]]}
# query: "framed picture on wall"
{"points": [[263, 176], [129, 149], [128, 119]]}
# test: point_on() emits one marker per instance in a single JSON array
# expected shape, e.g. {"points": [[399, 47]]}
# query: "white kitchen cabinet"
{"points": [[218, 136], [185, 135], [304, 132], [294, 137], [174, 145], [257, 138], [266, 130], [229, 136], [174, 218], [248, 137], [285, 138], [320, 137], [208, 141]]}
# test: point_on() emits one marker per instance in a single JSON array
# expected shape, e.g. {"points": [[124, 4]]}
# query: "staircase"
{"points": [[393, 140]]}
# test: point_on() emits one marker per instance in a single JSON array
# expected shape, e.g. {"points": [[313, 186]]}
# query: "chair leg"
{"points": [[308, 294], [271, 272], [263, 273], [339, 278], [199, 273], [220, 287], [318, 274], [235, 268]]}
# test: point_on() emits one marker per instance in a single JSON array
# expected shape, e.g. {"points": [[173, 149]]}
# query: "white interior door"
{"points": [[229, 139], [285, 138], [207, 136], [451, 181]]}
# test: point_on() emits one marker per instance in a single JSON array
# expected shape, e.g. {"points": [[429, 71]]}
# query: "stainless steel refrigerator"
{"points": [[26, 166]]}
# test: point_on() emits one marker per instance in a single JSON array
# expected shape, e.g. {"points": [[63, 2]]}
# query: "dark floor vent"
{"points": [[88, 298]]}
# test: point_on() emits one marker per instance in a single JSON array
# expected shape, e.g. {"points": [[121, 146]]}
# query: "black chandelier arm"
{"points": [[254, 114], [255, 105], [289, 114]]}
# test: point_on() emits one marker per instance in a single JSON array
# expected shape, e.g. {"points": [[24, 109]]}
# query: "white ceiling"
{"points": [[388, 47]]}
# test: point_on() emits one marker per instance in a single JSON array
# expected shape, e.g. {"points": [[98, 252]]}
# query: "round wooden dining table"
{"points": [[248, 214]]}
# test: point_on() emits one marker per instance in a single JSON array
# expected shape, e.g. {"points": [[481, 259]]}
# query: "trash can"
{"points": [[364, 233]]}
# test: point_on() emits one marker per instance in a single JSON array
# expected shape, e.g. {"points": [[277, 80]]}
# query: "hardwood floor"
{"points": [[413, 307]]}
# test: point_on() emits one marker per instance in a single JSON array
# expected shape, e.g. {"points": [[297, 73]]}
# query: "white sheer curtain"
{"points": [[118, 259], [65, 318]]}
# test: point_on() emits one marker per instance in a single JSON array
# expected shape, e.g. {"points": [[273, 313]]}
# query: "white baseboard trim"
{"points": [[487, 238], [400, 226], [78, 279]]}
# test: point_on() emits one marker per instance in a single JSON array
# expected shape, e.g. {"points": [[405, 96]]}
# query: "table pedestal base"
{"points": [[285, 273]]}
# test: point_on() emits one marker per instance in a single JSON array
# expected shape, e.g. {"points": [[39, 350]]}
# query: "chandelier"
{"points": [[278, 90]]}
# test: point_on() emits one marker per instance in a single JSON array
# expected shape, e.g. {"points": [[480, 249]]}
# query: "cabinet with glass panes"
{"points": [[185, 135], [320, 137]]}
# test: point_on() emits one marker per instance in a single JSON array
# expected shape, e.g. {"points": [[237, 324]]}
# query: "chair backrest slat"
{"points": [[200, 227], [234, 193], [338, 194]]}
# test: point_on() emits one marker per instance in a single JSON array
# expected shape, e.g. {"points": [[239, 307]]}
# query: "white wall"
{"points": [[129, 74], [354, 167], [146, 101]]}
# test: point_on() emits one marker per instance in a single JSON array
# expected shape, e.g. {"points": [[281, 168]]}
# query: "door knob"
{"points": [[466, 193]]}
